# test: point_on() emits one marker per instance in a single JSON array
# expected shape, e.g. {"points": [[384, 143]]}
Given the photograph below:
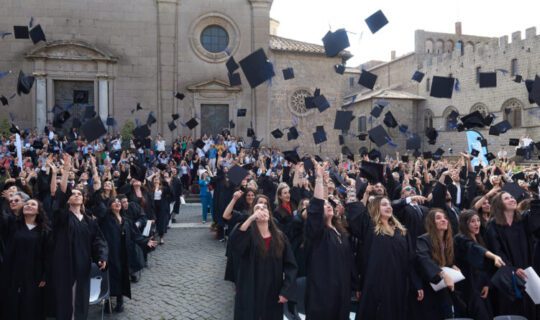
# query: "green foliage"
{"points": [[127, 129], [4, 127]]}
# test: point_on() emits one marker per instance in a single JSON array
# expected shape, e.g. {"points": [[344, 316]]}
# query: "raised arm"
{"points": [[227, 213]]}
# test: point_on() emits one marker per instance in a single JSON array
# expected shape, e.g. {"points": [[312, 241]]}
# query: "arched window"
{"points": [[362, 124], [460, 47], [514, 68], [439, 46], [429, 46], [450, 118], [428, 119], [512, 112], [449, 47], [480, 107]]}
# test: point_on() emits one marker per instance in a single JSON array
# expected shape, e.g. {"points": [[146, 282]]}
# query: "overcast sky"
{"points": [[309, 20]]}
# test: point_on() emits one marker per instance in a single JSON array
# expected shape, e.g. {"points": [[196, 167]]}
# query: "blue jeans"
{"points": [[206, 202]]}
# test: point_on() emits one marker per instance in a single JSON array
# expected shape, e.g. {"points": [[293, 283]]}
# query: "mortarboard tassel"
{"points": [[31, 23]]}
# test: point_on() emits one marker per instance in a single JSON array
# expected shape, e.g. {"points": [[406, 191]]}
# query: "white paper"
{"points": [[146, 231], [532, 286], [457, 276]]}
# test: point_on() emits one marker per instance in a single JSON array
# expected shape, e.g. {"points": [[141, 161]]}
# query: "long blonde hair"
{"points": [[374, 209]]}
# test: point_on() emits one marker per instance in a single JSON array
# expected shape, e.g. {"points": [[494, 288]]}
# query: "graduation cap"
{"points": [[192, 123], [199, 144], [372, 171], [288, 73], [508, 283], [339, 68], [389, 120], [418, 76], [37, 35], [250, 132], [231, 65], [518, 78], [60, 118], [405, 158], [93, 129], [232, 125], [343, 120], [136, 172], [292, 134], [376, 21], [319, 136], [89, 112], [179, 96], [374, 154], [442, 87], [308, 101], [367, 79], [21, 32], [488, 120], [403, 128], [417, 153], [234, 79], [520, 152], [490, 156], [513, 142], [241, 112], [379, 136], [335, 42], [488, 79], [141, 132], [427, 155], [347, 152], [460, 127], [138, 107], [472, 120], [151, 119], [515, 190], [175, 116], [172, 126], [341, 140], [291, 156], [4, 100], [376, 111], [24, 83], [537, 145], [535, 92], [14, 129], [483, 142], [475, 153], [438, 154], [278, 134], [236, 174], [432, 135], [317, 92], [257, 68], [518, 176], [500, 128], [413, 143], [362, 136], [110, 121], [321, 103]]}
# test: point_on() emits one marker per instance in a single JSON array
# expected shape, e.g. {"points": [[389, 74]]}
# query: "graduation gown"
{"points": [[386, 268], [329, 268], [238, 218], [77, 243], [25, 266], [261, 280]]}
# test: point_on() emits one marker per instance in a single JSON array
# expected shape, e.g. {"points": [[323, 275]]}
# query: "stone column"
{"points": [[260, 30], [41, 102], [103, 96]]}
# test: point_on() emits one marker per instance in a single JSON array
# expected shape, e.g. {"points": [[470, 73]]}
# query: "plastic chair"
{"points": [[509, 317], [99, 288]]}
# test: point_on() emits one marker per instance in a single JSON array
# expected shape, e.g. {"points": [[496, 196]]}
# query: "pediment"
{"points": [[214, 85], [70, 50]]}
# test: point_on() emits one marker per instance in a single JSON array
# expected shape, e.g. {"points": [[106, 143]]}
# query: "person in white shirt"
{"points": [[160, 144]]}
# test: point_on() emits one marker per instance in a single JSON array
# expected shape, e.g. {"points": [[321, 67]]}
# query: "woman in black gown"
{"points": [[25, 268], [265, 265]]}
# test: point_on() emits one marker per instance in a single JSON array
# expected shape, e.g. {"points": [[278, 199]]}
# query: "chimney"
{"points": [[458, 29], [393, 55]]}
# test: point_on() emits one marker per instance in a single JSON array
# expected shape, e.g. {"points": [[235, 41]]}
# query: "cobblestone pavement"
{"points": [[184, 278]]}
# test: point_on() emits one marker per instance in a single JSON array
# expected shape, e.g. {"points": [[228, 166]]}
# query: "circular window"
{"points": [[214, 39], [298, 102]]}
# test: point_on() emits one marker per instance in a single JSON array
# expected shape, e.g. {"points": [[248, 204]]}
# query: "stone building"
{"points": [[462, 57], [115, 54]]}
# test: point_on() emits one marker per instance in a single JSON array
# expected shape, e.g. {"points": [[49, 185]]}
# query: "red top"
{"points": [[267, 242], [287, 207]]}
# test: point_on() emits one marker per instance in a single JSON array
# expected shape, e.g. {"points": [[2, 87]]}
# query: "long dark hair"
{"points": [[445, 258], [42, 220], [464, 219], [277, 244], [497, 210]]}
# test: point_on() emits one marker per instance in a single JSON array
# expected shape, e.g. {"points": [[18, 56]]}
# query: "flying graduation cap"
{"points": [[418, 76], [37, 34], [257, 68], [367, 79], [24, 83], [335, 42], [376, 21], [288, 73], [442, 87]]}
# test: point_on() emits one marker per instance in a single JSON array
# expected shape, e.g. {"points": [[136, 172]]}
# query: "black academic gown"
{"points": [[238, 217], [25, 266], [386, 268], [77, 243], [329, 268], [261, 279]]}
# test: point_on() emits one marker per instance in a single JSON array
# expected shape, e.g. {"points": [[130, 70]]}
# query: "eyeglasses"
{"points": [[14, 201]]}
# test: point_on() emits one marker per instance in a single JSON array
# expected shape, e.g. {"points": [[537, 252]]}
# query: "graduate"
{"points": [[266, 270]]}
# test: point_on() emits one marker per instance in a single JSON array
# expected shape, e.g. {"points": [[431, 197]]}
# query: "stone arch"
{"points": [[469, 46], [512, 111], [450, 121], [461, 47], [439, 46], [449, 46], [429, 46], [428, 118], [481, 107], [75, 50]]}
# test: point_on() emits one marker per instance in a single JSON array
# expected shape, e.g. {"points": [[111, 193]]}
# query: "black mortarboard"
{"points": [[427, 155], [518, 176], [335, 42], [317, 92], [372, 171], [374, 154], [76, 123], [460, 127], [199, 144], [379, 136], [405, 158], [192, 123], [488, 120], [234, 79], [60, 118], [4, 100], [403, 128], [151, 119], [367, 79], [232, 125], [255, 144], [236, 174], [141, 132], [389, 120], [513, 142], [89, 112], [518, 78], [288, 73], [475, 153], [93, 129], [136, 172], [473, 120], [231, 64], [432, 135], [500, 128], [309, 102], [376, 21], [488, 79], [537, 145], [535, 92], [14, 129], [515, 190], [483, 142], [321, 103], [343, 120], [490, 156], [291, 156], [180, 96], [362, 136], [172, 126], [139, 107], [417, 153], [308, 165], [418, 76], [520, 152], [442, 87], [37, 35], [507, 282], [110, 122], [175, 116], [277, 134], [21, 32], [257, 68], [241, 112], [24, 83], [339, 68], [413, 142], [341, 140], [347, 152], [250, 132], [319, 136], [376, 111], [292, 134]]}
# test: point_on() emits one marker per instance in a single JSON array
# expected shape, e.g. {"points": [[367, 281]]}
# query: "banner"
{"points": [[473, 142], [18, 145]]}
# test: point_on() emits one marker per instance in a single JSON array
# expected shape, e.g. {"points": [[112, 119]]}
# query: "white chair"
{"points": [[99, 288]]}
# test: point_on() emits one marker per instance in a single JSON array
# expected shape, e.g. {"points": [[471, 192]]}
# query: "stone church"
{"points": [[114, 55]]}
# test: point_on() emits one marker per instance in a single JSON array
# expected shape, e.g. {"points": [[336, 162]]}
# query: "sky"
{"points": [[309, 20]]}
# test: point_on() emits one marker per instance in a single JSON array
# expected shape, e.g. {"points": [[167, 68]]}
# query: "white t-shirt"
{"points": [[160, 145]]}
